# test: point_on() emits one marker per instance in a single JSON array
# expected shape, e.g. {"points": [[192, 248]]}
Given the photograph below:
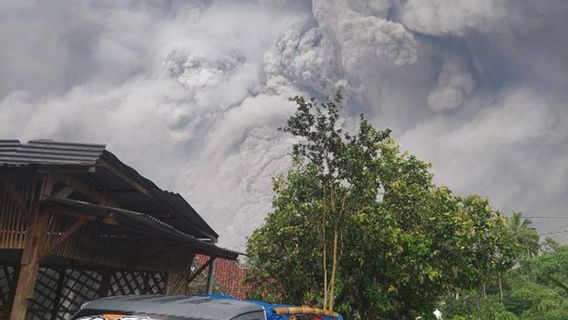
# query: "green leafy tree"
{"points": [[359, 226], [474, 309], [536, 289]]}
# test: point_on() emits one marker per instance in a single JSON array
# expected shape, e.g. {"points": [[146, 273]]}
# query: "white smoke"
{"points": [[451, 17], [453, 88], [303, 59], [191, 92], [362, 37]]}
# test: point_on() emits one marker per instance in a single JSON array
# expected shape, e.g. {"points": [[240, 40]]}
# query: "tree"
{"points": [[360, 227], [524, 235], [536, 289]]}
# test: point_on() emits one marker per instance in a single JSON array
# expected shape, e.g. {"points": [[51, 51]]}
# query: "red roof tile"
{"points": [[228, 274]]}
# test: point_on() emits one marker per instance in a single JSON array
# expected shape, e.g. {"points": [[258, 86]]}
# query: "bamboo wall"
{"points": [[12, 214]]}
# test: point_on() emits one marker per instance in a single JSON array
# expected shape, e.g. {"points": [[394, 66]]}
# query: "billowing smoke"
{"points": [[191, 92]]}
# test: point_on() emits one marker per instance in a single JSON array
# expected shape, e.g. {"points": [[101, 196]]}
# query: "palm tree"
{"points": [[524, 235]]}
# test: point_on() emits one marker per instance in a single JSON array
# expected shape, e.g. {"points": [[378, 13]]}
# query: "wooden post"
{"points": [[210, 276], [104, 289], [36, 234], [146, 285], [35, 239]]}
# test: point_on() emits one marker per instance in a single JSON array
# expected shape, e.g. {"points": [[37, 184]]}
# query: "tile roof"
{"points": [[229, 274]]}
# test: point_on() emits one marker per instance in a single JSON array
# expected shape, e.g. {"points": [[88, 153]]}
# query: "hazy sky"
{"points": [[190, 92]]}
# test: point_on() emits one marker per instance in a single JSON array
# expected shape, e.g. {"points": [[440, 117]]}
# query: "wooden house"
{"points": [[77, 224]]}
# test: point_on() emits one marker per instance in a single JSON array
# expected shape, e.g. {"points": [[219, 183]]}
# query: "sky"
{"points": [[190, 93]]}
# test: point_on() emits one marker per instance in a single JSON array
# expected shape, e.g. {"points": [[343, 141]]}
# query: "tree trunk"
{"points": [[333, 271], [500, 288], [324, 256], [325, 298]]}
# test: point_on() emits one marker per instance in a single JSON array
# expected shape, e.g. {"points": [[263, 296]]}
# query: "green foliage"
{"points": [[477, 308], [359, 225], [524, 235], [537, 289]]}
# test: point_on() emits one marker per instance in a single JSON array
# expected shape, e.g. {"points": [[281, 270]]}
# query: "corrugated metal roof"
{"points": [[146, 221], [48, 152], [179, 204]]}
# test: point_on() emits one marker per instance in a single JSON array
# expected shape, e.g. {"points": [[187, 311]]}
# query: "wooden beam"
{"points": [[64, 236], [162, 251], [125, 178], [80, 186], [110, 220], [83, 188], [188, 281], [66, 169], [198, 271], [65, 192], [84, 215], [102, 198], [73, 213]]}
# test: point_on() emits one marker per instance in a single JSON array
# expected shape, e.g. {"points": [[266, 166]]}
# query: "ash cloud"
{"points": [[454, 86], [191, 92]]}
